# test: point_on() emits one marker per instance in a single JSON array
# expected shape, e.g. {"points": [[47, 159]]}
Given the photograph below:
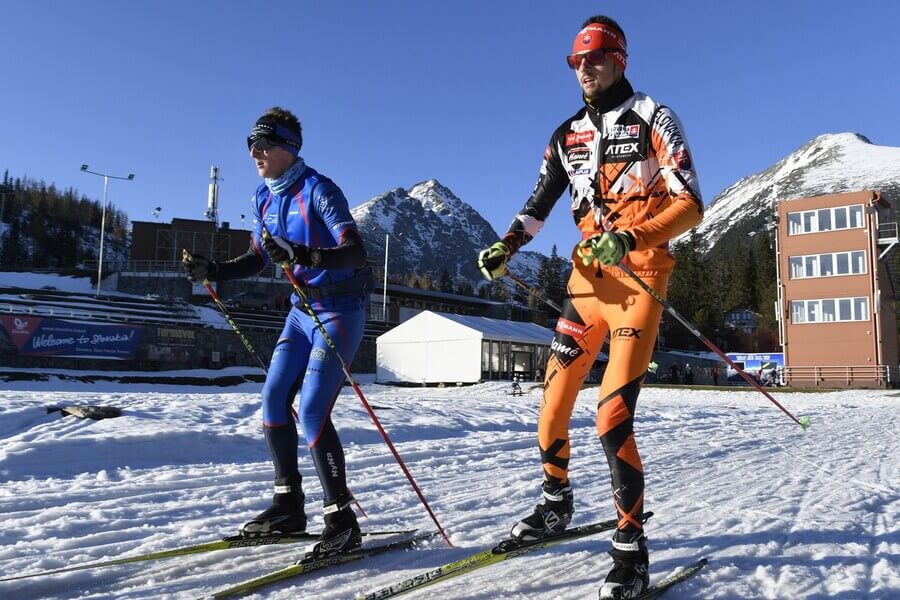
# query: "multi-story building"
{"points": [[837, 318]]}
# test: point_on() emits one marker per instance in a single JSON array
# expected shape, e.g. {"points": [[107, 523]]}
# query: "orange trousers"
{"points": [[599, 304]]}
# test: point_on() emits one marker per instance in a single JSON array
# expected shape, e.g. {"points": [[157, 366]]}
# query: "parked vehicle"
{"points": [[249, 300]]}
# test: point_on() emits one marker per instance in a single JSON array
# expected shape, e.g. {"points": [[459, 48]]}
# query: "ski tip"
{"points": [[804, 423], [702, 562]]}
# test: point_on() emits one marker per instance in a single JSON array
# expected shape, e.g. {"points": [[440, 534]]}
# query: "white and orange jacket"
{"points": [[628, 168]]}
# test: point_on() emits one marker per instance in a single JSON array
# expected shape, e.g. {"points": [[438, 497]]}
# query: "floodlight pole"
{"points": [[387, 239], [106, 179]]}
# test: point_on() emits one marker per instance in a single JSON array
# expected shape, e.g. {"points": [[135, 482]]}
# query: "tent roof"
{"points": [[502, 330]]}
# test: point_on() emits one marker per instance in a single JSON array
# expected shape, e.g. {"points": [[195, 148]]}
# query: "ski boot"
{"points": [[341, 531], [629, 576], [286, 515], [549, 517]]}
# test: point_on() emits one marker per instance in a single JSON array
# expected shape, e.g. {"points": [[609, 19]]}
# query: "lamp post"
{"points": [[106, 179], [387, 238]]}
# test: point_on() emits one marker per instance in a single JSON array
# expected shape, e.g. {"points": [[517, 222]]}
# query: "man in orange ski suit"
{"points": [[626, 162]]}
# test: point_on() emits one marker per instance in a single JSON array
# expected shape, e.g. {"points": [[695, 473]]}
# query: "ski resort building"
{"points": [[435, 348], [836, 296]]}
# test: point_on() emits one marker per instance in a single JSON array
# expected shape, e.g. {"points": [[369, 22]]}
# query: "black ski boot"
{"points": [[630, 575], [286, 515], [549, 517], [341, 531]]}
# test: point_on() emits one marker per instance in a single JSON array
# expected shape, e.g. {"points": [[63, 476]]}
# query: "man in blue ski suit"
{"points": [[302, 218]]}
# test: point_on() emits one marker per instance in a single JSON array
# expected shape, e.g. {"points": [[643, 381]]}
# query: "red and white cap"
{"points": [[596, 36]]}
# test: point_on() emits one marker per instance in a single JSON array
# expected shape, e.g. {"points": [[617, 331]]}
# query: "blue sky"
{"points": [[393, 93]]}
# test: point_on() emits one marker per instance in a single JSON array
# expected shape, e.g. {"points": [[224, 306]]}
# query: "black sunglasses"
{"points": [[261, 144]]}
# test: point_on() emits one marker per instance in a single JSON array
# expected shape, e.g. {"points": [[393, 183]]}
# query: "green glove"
{"points": [[609, 248], [492, 261]]}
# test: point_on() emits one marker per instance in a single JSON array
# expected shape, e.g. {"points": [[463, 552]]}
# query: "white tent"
{"points": [[436, 347]]}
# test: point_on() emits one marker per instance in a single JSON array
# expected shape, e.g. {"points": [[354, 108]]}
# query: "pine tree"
{"points": [[445, 283], [500, 292], [464, 287], [556, 283], [687, 291]]}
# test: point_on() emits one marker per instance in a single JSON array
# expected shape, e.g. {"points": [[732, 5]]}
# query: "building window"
{"points": [[860, 309], [797, 312], [829, 310], [825, 219], [844, 313], [840, 217], [827, 265], [824, 216]]}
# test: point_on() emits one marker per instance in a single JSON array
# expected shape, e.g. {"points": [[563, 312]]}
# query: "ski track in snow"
{"points": [[779, 513]]}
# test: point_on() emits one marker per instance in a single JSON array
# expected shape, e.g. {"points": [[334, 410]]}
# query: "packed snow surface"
{"points": [[779, 512]]}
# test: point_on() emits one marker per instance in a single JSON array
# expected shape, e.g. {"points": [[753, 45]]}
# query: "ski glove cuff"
{"points": [[280, 251], [199, 268], [609, 248], [492, 261]]}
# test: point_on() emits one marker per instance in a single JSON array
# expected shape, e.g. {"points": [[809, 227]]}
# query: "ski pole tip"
{"points": [[804, 423]]}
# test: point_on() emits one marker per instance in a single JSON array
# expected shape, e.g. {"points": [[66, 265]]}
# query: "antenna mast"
{"points": [[212, 203]]}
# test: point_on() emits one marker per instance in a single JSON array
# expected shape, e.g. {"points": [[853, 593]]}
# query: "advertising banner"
{"points": [[38, 336], [765, 367]]}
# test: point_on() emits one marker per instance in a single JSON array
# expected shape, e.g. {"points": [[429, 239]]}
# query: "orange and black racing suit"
{"points": [[627, 164]]}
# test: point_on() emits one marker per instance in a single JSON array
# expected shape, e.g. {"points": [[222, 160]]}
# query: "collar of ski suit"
{"points": [[288, 178], [615, 95]]}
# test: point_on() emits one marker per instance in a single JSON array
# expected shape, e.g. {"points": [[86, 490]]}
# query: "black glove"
{"points": [[280, 251], [199, 268]]}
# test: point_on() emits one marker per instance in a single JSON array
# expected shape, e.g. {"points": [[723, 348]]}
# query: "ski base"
{"points": [[502, 551], [228, 543], [313, 563]]}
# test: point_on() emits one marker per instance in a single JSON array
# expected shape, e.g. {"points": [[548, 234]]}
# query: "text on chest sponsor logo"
{"points": [[621, 148], [578, 155], [621, 132], [579, 137]]}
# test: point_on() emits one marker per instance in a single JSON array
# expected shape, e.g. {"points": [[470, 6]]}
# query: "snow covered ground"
{"points": [[779, 513]]}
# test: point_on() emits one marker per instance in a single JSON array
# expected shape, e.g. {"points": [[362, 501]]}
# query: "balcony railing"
{"points": [[841, 376], [887, 233], [166, 267]]}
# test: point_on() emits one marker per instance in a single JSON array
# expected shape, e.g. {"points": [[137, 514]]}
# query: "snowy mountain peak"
{"points": [[828, 164], [431, 229], [435, 197]]}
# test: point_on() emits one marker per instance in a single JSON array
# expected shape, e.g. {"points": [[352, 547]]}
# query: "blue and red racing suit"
{"points": [[313, 212]]}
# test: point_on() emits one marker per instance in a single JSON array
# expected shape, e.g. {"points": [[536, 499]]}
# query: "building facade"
{"points": [[836, 311]]}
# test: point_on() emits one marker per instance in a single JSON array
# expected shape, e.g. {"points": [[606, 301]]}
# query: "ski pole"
{"points": [[802, 421], [286, 267], [532, 290]]}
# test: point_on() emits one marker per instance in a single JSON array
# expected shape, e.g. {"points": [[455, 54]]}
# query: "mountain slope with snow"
{"points": [[431, 229], [828, 164]]}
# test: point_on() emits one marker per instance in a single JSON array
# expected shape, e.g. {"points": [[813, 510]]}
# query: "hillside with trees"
{"points": [[47, 228]]}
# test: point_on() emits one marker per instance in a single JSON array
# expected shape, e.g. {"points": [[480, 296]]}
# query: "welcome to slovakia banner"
{"points": [[37, 336]]}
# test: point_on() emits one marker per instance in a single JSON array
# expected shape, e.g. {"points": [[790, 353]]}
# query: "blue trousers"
{"points": [[303, 362]]}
